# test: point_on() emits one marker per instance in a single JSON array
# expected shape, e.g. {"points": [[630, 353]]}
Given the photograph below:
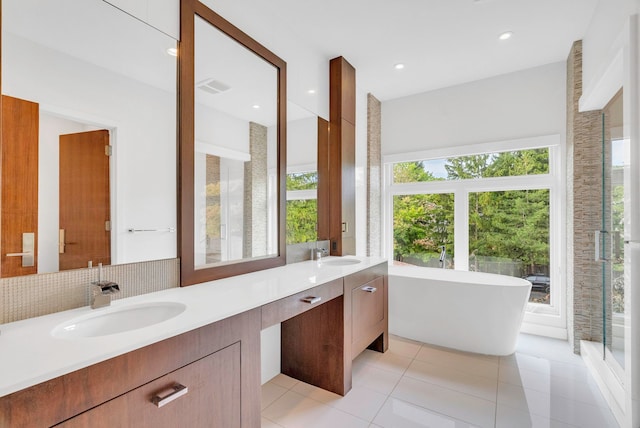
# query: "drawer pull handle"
{"points": [[369, 289], [312, 300], [172, 393]]}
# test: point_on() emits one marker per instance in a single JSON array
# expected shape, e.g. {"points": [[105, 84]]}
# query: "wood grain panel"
{"points": [[54, 401], [367, 307], [19, 140], [286, 308], [212, 400], [313, 348], [324, 179]]}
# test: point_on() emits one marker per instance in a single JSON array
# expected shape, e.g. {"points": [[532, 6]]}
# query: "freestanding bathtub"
{"points": [[470, 311]]}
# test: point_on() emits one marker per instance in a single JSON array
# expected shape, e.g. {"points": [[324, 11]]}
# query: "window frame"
{"points": [[548, 319]]}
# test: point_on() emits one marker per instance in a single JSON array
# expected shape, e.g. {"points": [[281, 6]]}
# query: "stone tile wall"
{"points": [[584, 210], [374, 177]]}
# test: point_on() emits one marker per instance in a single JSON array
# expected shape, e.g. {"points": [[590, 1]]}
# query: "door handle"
{"points": [[28, 247], [61, 243]]}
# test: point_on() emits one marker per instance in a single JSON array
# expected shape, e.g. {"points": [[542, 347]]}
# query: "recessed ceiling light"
{"points": [[311, 91], [399, 66], [172, 51], [256, 106], [506, 35]]}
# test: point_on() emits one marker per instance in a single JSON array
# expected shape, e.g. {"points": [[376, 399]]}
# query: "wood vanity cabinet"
{"points": [[219, 364], [368, 294], [318, 345]]}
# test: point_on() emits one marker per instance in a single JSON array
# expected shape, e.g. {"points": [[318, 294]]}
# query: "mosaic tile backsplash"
{"points": [[35, 295]]}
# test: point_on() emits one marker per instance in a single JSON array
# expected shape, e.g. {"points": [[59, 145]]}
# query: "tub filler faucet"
{"points": [[102, 290], [443, 256]]}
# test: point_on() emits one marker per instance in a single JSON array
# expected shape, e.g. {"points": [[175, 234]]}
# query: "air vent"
{"points": [[213, 86]]}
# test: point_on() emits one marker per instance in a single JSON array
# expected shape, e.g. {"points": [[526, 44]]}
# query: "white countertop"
{"points": [[29, 354]]}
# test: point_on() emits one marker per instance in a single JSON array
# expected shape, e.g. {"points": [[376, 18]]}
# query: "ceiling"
{"points": [[441, 42]]}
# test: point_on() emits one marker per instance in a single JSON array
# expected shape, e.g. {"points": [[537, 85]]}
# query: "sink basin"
{"points": [[120, 320], [341, 262]]}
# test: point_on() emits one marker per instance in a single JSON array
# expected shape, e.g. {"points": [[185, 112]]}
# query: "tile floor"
{"points": [[416, 385]]}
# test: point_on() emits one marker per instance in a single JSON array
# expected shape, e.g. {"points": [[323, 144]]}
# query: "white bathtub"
{"points": [[470, 311]]}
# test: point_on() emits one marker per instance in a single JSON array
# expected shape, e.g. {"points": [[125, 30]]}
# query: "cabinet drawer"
{"points": [[367, 307], [212, 398], [289, 307]]}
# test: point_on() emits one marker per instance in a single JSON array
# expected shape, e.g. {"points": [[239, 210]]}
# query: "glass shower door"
{"points": [[614, 164]]}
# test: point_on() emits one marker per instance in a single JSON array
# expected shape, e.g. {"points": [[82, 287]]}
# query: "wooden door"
{"points": [[19, 213], [84, 200]]}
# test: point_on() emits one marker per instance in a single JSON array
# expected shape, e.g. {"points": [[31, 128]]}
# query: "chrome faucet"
{"points": [[443, 256], [317, 253], [102, 290]]}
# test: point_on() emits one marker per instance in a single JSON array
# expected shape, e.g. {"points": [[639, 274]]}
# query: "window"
{"points": [[302, 207], [495, 208]]}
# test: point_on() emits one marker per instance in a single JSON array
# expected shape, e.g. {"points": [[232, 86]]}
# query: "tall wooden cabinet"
{"points": [[336, 164]]}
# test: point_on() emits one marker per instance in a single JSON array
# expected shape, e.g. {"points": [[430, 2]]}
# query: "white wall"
{"points": [[307, 67], [600, 45], [517, 105], [160, 14], [302, 142], [144, 137]]}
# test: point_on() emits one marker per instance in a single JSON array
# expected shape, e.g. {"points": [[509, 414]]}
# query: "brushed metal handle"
{"points": [[170, 394], [312, 299], [28, 253], [598, 237], [369, 289]]}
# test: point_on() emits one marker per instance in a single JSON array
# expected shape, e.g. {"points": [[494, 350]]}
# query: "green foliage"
{"points": [[302, 218], [302, 181], [422, 223], [511, 225], [411, 172]]}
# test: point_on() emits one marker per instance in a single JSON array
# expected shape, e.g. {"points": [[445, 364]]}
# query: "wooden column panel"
{"points": [[336, 193], [323, 179]]}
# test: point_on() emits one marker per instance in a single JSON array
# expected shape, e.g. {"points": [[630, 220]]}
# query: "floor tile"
{"points": [[387, 361], [292, 410], [405, 347], [284, 381], [399, 414], [455, 379], [446, 401], [510, 417], [370, 376], [270, 393], [266, 423], [554, 407], [480, 365], [542, 385]]}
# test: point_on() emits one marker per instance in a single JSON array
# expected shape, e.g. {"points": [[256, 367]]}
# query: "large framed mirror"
{"points": [[232, 149], [88, 137]]}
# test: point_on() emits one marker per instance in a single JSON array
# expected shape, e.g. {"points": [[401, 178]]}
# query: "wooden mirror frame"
{"points": [[189, 275]]}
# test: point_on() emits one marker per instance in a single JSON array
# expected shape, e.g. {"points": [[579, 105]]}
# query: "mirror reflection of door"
{"points": [[85, 229], [19, 215]]}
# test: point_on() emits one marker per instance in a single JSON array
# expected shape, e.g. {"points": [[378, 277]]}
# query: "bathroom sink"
{"points": [[120, 320], [341, 262]]}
